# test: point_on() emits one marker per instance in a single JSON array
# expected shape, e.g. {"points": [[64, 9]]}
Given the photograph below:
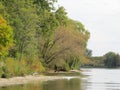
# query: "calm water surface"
{"points": [[101, 79], [93, 79]]}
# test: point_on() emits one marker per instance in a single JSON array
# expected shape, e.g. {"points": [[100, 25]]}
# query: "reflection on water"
{"points": [[94, 79], [23, 87], [72, 84], [64, 84]]}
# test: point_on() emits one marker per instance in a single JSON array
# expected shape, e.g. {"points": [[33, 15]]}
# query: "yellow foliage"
{"points": [[2, 21], [6, 36], [37, 66], [86, 61], [20, 68]]}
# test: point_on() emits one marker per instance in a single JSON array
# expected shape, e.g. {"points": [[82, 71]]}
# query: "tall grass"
{"points": [[11, 67]]}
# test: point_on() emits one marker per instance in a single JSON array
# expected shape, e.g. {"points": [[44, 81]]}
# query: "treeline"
{"points": [[35, 37], [109, 60]]}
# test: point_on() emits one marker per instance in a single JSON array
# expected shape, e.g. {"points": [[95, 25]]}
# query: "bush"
{"points": [[74, 62], [11, 67], [111, 60], [37, 66]]}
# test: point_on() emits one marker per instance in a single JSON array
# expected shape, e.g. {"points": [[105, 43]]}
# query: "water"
{"points": [[63, 84], [93, 79], [101, 79]]}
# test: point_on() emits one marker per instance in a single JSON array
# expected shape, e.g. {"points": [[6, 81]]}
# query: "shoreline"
{"points": [[26, 79], [30, 79]]}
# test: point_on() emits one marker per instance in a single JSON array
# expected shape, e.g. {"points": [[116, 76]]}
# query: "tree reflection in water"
{"points": [[62, 84], [72, 84]]}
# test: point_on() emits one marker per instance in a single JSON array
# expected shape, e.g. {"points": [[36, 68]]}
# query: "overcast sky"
{"points": [[101, 18]]}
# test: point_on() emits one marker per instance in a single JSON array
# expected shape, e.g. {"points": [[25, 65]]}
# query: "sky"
{"points": [[101, 18]]}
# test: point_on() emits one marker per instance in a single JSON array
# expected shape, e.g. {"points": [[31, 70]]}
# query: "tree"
{"points": [[49, 20], [67, 42], [88, 52], [44, 32], [6, 37], [111, 60], [23, 18]]}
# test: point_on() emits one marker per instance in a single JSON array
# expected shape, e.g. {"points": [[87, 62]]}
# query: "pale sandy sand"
{"points": [[26, 79], [32, 78]]}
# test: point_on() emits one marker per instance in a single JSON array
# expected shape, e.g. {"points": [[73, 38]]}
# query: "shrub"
{"points": [[11, 67]]}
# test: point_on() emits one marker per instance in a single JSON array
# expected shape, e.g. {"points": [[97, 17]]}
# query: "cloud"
{"points": [[101, 18]]}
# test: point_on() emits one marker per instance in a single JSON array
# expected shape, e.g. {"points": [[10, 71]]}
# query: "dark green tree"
{"points": [[88, 52], [111, 60]]}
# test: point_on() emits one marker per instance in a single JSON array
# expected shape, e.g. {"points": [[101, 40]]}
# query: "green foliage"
{"points": [[47, 19], [74, 62], [23, 19], [66, 67], [61, 16], [88, 52], [45, 5], [43, 37], [1, 8], [111, 60]]}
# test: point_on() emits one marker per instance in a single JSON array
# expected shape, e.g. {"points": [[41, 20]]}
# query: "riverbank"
{"points": [[26, 79], [51, 75], [31, 78]]}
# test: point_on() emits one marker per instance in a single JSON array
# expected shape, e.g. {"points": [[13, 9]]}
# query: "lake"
{"points": [[92, 79]]}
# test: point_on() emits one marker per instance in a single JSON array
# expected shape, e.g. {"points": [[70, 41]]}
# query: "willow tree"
{"points": [[49, 20], [69, 42]]}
